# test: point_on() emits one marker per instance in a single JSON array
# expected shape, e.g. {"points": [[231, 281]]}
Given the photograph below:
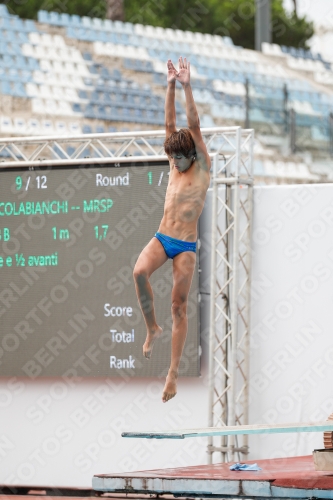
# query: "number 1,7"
{"points": [[101, 231]]}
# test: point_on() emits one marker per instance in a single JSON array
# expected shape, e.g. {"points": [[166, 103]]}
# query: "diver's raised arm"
{"points": [[193, 121], [170, 109]]}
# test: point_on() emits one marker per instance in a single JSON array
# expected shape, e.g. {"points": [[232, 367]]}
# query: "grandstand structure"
{"points": [[70, 75]]}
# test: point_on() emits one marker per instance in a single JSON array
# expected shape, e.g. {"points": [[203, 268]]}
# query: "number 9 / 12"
{"points": [[41, 182]]}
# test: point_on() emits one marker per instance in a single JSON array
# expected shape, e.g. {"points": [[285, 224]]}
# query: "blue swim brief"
{"points": [[173, 247]]}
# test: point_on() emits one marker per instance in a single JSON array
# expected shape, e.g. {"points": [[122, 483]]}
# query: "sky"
{"points": [[320, 11]]}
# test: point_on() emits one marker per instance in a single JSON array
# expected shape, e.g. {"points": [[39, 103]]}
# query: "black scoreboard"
{"points": [[69, 239]]}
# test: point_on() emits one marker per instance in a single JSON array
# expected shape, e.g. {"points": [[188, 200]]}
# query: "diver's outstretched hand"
{"points": [[172, 72], [183, 75]]}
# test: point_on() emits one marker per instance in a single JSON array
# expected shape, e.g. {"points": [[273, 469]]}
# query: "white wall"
{"points": [[53, 433], [291, 359]]}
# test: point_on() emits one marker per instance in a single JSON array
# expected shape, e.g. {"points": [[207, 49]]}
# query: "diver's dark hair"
{"points": [[180, 142]]}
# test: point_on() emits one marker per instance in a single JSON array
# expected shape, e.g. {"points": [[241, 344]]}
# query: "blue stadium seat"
{"points": [[94, 69], [75, 20], [137, 41], [90, 111], [128, 28], [15, 24], [87, 56], [43, 16], [21, 62], [8, 61], [29, 25], [151, 116], [19, 90], [107, 112], [86, 129], [83, 33], [160, 118], [5, 49], [22, 37], [3, 11], [137, 115], [105, 73], [148, 67], [83, 94], [114, 114], [15, 48], [97, 23], [128, 64], [107, 97], [122, 38], [107, 25], [77, 107], [65, 19], [116, 75], [73, 33], [104, 112], [111, 37], [94, 96], [131, 101], [86, 22], [87, 81], [26, 76], [101, 36], [6, 88], [54, 18], [155, 102], [121, 27], [127, 113], [33, 64], [13, 74], [160, 79]]}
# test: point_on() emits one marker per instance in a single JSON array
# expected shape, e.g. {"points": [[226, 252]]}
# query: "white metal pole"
{"points": [[248, 293], [212, 305], [232, 356]]}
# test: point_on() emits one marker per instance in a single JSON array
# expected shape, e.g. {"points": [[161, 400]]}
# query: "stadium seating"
{"points": [[118, 79]]}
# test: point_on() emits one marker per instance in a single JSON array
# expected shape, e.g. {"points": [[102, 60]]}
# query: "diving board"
{"points": [[233, 430]]}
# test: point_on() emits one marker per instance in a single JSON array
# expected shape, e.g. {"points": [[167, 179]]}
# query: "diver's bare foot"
{"points": [[170, 388], [152, 335]]}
